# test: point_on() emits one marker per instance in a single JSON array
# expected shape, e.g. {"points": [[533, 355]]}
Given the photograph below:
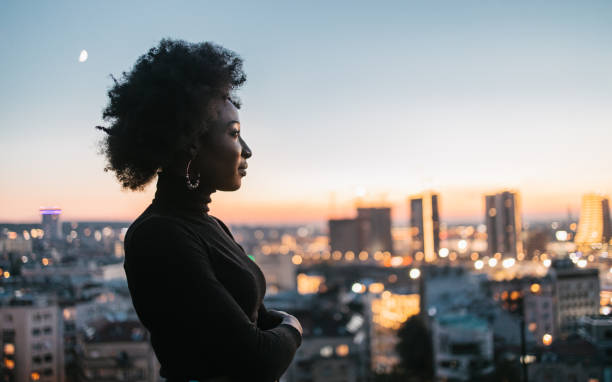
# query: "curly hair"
{"points": [[162, 104]]}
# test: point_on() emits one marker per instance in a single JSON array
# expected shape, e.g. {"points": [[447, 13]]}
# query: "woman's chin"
{"points": [[231, 187]]}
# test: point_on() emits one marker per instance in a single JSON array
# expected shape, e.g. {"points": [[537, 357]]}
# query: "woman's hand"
{"points": [[289, 320]]}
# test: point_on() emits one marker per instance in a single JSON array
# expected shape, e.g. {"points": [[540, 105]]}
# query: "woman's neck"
{"points": [[172, 191]]}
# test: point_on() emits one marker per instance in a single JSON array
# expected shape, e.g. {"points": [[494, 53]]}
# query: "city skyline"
{"points": [[354, 98]]}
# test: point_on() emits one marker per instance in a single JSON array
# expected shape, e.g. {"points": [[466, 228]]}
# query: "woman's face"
{"points": [[221, 159]]}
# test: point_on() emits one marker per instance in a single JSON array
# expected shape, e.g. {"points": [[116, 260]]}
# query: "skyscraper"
{"points": [[503, 221], [343, 235], [425, 224], [374, 226], [594, 224], [51, 222], [369, 231]]}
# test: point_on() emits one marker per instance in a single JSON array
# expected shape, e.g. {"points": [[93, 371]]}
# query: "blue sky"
{"points": [[465, 97]]}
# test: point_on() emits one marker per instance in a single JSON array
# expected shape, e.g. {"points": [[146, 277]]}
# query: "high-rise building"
{"points": [[343, 235], [374, 225], [31, 340], [51, 222], [503, 221], [425, 224], [370, 231], [594, 224]]}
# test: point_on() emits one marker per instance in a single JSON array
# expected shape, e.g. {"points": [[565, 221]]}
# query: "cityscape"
{"points": [[500, 300], [428, 187]]}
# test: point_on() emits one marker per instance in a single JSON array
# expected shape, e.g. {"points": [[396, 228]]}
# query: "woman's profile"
{"points": [[174, 116]]}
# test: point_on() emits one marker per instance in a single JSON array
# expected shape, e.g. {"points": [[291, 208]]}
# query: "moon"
{"points": [[83, 56]]}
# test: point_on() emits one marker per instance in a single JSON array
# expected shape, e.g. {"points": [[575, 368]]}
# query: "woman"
{"points": [[193, 287]]}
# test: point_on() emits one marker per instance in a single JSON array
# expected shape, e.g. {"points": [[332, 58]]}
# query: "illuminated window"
{"points": [[342, 350], [9, 349]]}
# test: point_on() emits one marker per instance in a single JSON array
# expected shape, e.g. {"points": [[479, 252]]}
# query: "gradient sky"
{"points": [[464, 97]]}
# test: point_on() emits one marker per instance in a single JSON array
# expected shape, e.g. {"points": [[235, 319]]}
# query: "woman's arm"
{"points": [[195, 324]]}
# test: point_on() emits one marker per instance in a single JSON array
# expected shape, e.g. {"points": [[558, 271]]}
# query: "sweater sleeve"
{"points": [[267, 319], [196, 325]]}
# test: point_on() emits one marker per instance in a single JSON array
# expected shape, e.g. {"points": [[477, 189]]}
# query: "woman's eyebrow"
{"points": [[232, 122]]}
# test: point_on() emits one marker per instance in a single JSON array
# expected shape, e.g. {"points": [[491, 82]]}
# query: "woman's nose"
{"points": [[246, 150]]}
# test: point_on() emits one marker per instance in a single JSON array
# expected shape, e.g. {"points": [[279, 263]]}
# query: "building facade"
{"points": [[503, 221], [425, 224], [594, 231], [31, 341]]}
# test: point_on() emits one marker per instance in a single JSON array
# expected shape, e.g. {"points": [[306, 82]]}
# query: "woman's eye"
{"points": [[235, 133]]}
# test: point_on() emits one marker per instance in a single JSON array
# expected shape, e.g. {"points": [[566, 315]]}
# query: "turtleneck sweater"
{"points": [[199, 295]]}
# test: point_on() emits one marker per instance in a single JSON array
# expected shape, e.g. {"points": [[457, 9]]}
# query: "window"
{"points": [[48, 372], [36, 332], [47, 330], [37, 360], [48, 357]]}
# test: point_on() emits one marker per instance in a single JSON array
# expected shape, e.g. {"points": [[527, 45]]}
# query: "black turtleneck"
{"points": [[199, 295]]}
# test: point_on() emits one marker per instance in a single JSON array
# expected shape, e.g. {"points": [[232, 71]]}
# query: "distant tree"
{"points": [[415, 350]]}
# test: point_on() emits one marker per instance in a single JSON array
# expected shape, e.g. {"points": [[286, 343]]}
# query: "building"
{"points": [[597, 330], [594, 229], [16, 244], [375, 229], [388, 311], [503, 221], [111, 351], [370, 231], [51, 223], [279, 271], [343, 235], [31, 340], [425, 224], [536, 295], [576, 294], [463, 347]]}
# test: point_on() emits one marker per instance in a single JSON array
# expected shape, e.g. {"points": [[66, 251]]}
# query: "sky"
{"points": [[344, 98]]}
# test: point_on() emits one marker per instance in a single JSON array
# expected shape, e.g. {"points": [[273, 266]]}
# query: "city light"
{"points": [[9, 349], [462, 245], [396, 261], [376, 288], [492, 262], [561, 235], [349, 256], [547, 263], [358, 288], [415, 273], [308, 284], [478, 264], [342, 350], [443, 252], [392, 310], [326, 351], [582, 263], [547, 339], [535, 288], [508, 263]]}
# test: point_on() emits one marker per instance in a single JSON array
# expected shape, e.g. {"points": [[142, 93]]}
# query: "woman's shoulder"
{"points": [[153, 225]]}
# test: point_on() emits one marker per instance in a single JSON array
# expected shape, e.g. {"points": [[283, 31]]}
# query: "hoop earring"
{"points": [[191, 185]]}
